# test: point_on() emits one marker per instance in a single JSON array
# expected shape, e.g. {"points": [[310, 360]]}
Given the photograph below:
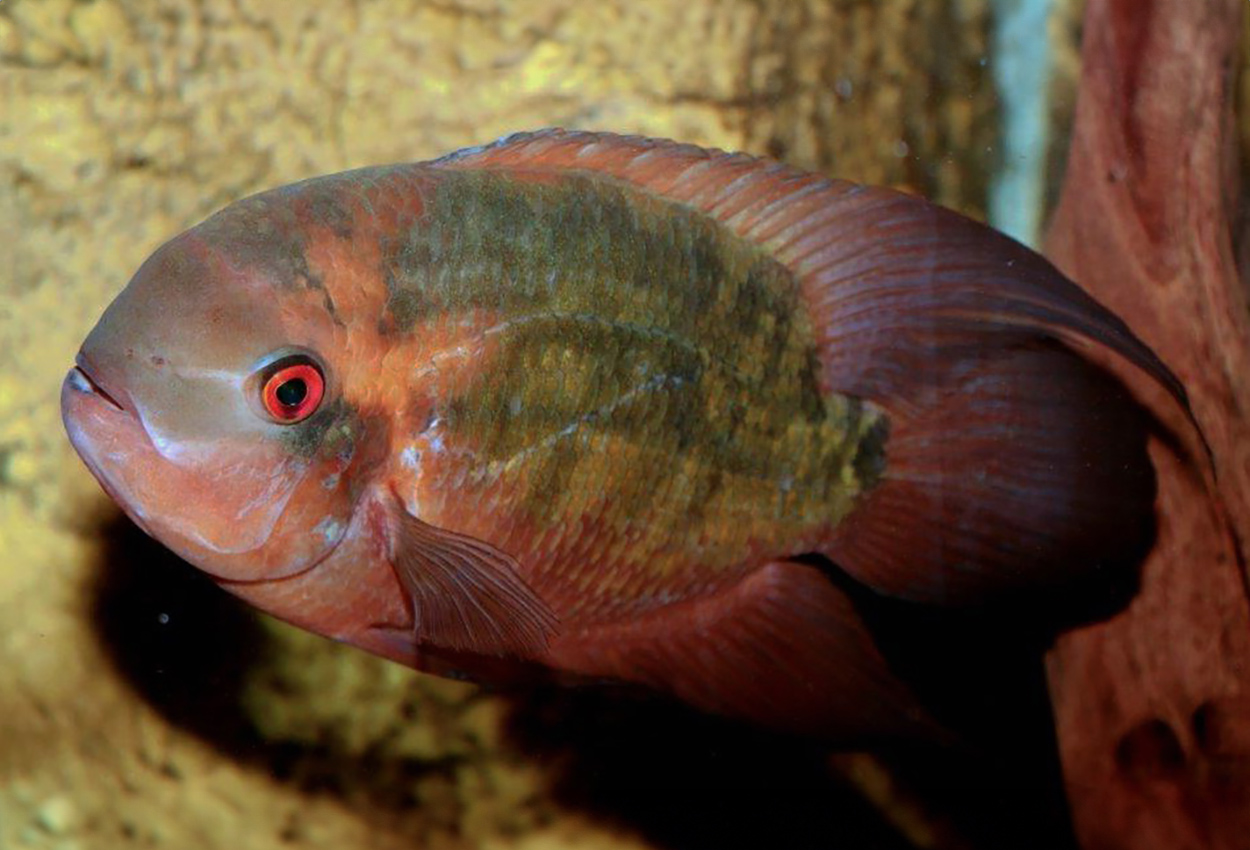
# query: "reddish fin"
{"points": [[466, 595], [1029, 470], [1014, 462], [783, 648]]}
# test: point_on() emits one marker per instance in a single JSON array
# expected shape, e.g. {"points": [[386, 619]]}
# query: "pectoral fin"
{"points": [[467, 595]]}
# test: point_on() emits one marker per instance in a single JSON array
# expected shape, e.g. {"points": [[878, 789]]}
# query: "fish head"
{"points": [[207, 402]]}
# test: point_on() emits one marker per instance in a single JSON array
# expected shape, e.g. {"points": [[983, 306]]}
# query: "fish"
{"points": [[606, 408]]}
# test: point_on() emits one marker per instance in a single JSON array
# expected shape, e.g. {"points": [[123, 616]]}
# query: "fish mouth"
{"points": [[82, 380]]}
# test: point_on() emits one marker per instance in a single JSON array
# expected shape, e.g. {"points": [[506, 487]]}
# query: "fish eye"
{"points": [[292, 389]]}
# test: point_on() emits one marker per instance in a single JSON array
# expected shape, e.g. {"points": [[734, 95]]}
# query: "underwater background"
{"points": [[139, 706]]}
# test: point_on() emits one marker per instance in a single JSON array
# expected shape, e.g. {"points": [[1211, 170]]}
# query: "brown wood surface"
{"points": [[1153, 705]]}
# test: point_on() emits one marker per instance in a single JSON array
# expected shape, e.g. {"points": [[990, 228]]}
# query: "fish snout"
{"points": [[92, 377], [93, 412]]}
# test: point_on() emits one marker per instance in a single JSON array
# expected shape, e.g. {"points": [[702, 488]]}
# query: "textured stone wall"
{"points": [[138, 706]]}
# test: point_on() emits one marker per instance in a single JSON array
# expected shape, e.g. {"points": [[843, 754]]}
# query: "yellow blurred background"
{"points": [[141, 708]]}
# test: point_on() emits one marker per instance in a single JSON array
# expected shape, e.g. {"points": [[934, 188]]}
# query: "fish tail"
{"points": [[1024, 470], [1016, 461]]}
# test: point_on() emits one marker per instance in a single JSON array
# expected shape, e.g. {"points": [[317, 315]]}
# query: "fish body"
{"points": [[587, 404]]}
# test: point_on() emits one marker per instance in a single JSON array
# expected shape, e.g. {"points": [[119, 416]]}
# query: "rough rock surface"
{"points": [[1152, 705], [141, 708]]}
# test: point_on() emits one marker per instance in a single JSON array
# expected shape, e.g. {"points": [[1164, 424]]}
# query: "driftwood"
{"points": [[1153, 705]]}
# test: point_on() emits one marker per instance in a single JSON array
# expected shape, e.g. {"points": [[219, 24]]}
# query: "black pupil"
{"points": [[292, 392]]}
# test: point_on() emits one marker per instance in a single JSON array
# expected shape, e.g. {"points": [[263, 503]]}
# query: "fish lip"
{"points": [[82, 380]]}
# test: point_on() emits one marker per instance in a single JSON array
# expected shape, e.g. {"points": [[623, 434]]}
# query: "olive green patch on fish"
{"points": [[640, 349], [405, 305], [323, 207], [263, 233]]}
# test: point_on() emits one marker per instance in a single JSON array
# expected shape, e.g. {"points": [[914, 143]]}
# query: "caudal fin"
{"points": [[1015, 463], [1024, 469]]}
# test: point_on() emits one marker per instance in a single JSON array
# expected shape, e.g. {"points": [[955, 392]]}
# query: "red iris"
{"points": [[293, 392]]}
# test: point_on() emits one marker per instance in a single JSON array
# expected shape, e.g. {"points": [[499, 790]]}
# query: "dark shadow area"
{"points": [[979, 669], [689, 781], [982, 675], [175, 637], [185, 647]]}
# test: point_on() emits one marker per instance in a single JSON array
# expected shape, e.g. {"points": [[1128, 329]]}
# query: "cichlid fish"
{"points": [[590, 404]]}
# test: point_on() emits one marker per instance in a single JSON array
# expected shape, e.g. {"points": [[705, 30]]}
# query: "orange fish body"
{"points": [[597, 405]]}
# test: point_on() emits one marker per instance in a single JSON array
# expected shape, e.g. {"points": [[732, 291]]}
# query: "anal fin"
{"points": [[784, 648]]}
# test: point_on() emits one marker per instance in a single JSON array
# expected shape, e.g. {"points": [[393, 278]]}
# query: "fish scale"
{"points": [[502, 223]]}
